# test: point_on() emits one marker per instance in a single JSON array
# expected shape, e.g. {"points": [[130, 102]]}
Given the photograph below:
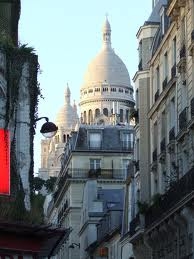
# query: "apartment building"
{"points": [[163, 224]]}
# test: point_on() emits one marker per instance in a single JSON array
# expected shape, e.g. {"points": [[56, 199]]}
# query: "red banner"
{"points": [[4, 162]]}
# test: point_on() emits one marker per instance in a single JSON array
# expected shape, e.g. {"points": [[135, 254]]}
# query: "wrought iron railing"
{"points": [[171, 198]]}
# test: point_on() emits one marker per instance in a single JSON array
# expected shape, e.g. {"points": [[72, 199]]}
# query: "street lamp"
{"points": [[48, 129], [73, 245]]}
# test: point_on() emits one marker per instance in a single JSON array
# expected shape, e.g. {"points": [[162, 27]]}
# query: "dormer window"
{"points": [[95, 140]]}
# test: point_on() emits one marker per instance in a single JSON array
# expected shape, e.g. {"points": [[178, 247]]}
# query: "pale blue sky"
{"points": [[67, 35]]}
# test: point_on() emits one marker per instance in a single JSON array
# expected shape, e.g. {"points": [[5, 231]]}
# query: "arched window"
{"points": [[84, 117], [90, 117], [64, 138], [105, 111], [127, 116], [121, 115], [97, 113]]}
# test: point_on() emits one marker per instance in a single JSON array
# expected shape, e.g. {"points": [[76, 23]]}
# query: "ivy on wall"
{"points": [[16, 57]]}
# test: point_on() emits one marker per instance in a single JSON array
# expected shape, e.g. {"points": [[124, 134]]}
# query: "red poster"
{"points": [[4, 162]]}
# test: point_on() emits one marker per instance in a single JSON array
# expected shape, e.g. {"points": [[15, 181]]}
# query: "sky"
{"points": [[67, 35]]}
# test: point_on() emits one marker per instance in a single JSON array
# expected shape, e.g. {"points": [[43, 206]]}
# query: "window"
{"points": [[127, 141], [163, 126], [125, 166], [97, 113], [174, 51], [95, 164], [157, 78], [155, 135], [105, 111], [90, 116], [95, 140], [172, 113], [165, 72], [121, 115]]}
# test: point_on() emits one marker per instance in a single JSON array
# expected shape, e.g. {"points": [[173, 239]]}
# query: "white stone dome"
{"points": [[106, 67], [67, 115]]}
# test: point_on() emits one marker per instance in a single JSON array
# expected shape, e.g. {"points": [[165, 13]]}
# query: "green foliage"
{"points": [[143, 207], [49, 184], [38, 183]]}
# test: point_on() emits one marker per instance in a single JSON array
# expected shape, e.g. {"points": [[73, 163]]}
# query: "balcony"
{"points": [[156, 96], [180, 193], [164, 83]]}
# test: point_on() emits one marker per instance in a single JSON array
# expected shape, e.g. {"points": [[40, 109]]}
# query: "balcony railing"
{"points": [[163, 145], [183, 52], [172, 134], [156, 96], [154, 155], [171, 198], [100, 173], [183, 119], [173, 71], [164, 83]]}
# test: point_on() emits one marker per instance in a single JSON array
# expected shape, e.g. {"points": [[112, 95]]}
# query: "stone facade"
{"points": [[163, 226]]}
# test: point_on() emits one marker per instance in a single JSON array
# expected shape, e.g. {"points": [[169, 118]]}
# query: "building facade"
{"points": [[163, 227], [99, 149]]}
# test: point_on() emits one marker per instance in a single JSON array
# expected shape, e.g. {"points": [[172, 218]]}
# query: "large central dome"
{"points": [[106, 95], [106, 66]]}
